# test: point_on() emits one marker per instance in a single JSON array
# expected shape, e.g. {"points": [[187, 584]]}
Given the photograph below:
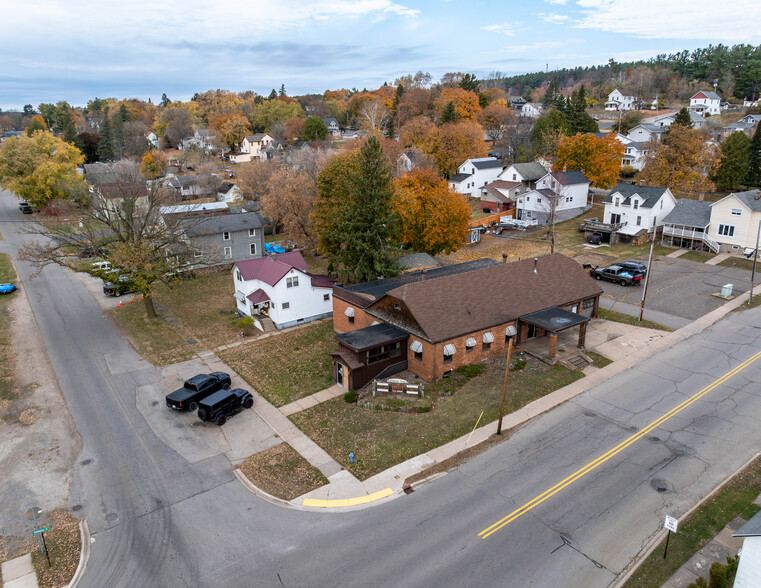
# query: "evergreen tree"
{"points": [[754, 160], [68, 129], [367, 221], [735, 151], [552, 95], [683, 118], [273, 94], [469, 82], [282, 90], [578, 118], [449, 114], [124, 113], [117, 136], [164, 101], [390, 131], [105, 152]]}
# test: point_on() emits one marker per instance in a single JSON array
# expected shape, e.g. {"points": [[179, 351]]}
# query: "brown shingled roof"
{"points": [[455, 305]]}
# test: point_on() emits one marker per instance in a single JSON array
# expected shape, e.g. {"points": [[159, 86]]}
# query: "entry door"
{"points": [[531, 332], [615, 219], [340, 374]]}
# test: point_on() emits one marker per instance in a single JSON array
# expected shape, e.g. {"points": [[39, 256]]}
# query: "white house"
{"points": [[645, 133], [750, 103], [617, 101], [639, 208], [281, 288], [252, 146], [566, 192], [634, 155], [706, 103], [153, 139], [530, 110], [229, 192], [200, 140], [332, 125], [666, 120], [735, 221], [474, 174], [528, 174], [749, 567]]}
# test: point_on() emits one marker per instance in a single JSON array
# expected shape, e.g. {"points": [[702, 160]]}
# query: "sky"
{"points": [[76, 50]]}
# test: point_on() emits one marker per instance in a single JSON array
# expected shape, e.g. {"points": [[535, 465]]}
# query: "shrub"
{"points": [[627, 171], [699, 583], [351, 396], [471, 371], [246, 321], [518, 364]]}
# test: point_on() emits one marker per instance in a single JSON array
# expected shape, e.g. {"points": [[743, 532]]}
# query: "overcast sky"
{"points": [[75, 50]]}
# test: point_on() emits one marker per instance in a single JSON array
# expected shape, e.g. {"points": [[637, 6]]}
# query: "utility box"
{"points": [[726, 291]]}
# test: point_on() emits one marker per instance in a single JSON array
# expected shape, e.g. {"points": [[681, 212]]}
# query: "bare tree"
{"points": [[373, 116]]}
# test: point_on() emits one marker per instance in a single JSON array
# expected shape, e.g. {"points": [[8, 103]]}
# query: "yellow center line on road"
{"points": [[617, 449]]}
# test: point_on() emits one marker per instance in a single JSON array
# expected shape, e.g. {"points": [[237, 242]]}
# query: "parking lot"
{"points": [[680, 287]]}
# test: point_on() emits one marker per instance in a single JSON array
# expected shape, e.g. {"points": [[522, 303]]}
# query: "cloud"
{"points": [[506, 29], [539, 45], [553, 17], [560, 2], [675, 19]]}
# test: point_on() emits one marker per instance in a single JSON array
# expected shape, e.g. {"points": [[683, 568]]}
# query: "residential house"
{"points": [[686, 226], [643, 133], [565, 193], [751, 103], [530, 110], [634, 155], [474, 174], [434, 325], [252, 147], [228, 192], [666, 120], [749, 567], [201, 140], [735, 221], [193, 187], [281, 288], [746, 124], [618, 101], [153, 139], [640, 209], [500, 195], [517, 102], [224, 238], [706, 103], [525, 173], [8, 134], [332, 125]]}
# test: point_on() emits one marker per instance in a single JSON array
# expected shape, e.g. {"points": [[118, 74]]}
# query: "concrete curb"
{"points": [[84, 555], [645, 552]]}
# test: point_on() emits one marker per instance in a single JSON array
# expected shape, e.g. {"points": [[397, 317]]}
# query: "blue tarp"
{"points": [[273, 248]]}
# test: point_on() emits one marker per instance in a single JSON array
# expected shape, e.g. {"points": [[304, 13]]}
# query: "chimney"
{"points": [[642, 182], [504, 258], [425, 271], [758, 194], [536, 259]]}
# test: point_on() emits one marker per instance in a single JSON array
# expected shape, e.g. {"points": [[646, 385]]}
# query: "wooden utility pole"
{"points": [[647, 277], [504, 386]]}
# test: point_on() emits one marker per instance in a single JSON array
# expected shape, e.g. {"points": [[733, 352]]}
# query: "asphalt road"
{"points": [[157, 520]]}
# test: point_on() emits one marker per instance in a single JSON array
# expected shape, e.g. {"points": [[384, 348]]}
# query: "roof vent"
{"points": [[536, 259], [642, 182], [504, 258], [758, 195], [425, 271]]}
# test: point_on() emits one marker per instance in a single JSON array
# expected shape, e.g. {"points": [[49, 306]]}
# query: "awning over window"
{"points": [[349, 311], [374, 323], [449, 349], [511, 331], [488, 337], [470, 342], [416, 346]]}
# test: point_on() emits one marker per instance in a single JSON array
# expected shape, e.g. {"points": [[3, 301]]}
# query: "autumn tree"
{"points": [[272, 111], [465, 103], [289, 202], [415, 102], [293, 128], [40, 168], [548, 130], [314, 128], [373, 116], [683, 161], [233, 129], [254, 178], [754, 160], [496, 119], [153, 165], [36, 124], [367, 223], [432, 217], [599, 159], [451, 144], [735, 158], [174, 124], [414, 131]]}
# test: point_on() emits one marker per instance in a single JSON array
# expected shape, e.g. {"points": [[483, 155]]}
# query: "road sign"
{"points": [[40, 530], [670, 523]]}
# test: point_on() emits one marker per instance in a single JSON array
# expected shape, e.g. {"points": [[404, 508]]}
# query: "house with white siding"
{"points": [[527, 174], [634, 155], [640, 209], [618, 101], [252, 147], [735, 221], [474, 174], [706, 103], [565, 192], [645, 133]]}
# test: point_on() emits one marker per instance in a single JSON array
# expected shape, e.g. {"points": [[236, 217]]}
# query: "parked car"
{"points": [[88, 251], [594, 239], [196, 389], [122, 285], [634, 267], [616, 273], [7, 288], [223, 404], [26, 209], [22, 204]]}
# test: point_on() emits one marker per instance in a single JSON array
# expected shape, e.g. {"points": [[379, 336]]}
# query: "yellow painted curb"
{"points": [[347, 501]]}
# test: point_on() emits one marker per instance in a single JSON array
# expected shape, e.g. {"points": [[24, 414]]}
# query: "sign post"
{"points": [[671, 524], [32, 515]]}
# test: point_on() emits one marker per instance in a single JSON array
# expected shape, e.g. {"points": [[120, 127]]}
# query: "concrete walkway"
{"points": [[662, 318], [718, 259], [19, 573], [309, 401], [677, 253]]}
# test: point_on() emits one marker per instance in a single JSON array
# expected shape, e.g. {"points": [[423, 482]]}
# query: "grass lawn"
{"points": [[599, 361], [197, 305], [282, 472], [619, 317], [740, 263], [289, 366], [699, 256], [733, 500], [381, 439], [7, 380], [476, 210], [64, 546]]}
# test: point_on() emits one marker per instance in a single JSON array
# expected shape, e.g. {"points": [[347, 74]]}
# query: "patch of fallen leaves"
{"points": [[28, 416], [64, 544]]}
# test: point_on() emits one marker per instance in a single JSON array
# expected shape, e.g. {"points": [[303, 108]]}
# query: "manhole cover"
{"points": [[86, 462], [191, 341], [76, 508], [112, 516]]}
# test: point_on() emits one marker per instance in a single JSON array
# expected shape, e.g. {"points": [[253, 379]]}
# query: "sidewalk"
{"points": [[662, 318], [19, 573]]}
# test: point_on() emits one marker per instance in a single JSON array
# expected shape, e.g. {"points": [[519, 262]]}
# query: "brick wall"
{"points": [[341, 322]]}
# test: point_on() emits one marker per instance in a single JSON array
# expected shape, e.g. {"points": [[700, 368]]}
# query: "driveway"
{"points": [[680, 287]]}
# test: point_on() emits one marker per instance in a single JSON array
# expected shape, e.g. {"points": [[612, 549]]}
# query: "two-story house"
{"points": [[499, 195], [666, 120], [332, 124], [195, 186], [530, 110], [634, 155], [527, 174], [644, 133], [735, 221], [474, 174], [224, 238], [252, 147], [686, 226], [281, 288], [706, 103], [564, 193], [618, 101], [640, 209]]}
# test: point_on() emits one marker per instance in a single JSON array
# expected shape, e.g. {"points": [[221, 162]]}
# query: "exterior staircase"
{"points": [[267, 324]]}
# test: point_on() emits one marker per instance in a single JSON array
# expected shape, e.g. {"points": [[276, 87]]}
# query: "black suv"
{"points": [[634, 267], [121, 285], [616, 273], [221, 405], [196, 389]]}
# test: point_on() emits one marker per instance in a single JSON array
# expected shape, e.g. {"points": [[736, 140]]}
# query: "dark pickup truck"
{"points": [[196, 389], [616, 273]]}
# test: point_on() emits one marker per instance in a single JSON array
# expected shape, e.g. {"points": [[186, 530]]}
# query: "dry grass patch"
{"points": [[287, 366], [7, 377], [64, 545], [282, 472]]}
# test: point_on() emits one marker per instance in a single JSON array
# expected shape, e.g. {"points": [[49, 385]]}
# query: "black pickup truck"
{"points": [[196, 389]]}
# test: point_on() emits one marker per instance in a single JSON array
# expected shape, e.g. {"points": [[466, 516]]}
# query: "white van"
{"points": [[103, 266]]}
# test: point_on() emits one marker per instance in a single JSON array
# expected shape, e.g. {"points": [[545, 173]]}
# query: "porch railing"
{"points": [[692, 234]]}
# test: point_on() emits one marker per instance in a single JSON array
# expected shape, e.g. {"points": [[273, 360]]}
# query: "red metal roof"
{"points": [[258, 296], [271, 270]]}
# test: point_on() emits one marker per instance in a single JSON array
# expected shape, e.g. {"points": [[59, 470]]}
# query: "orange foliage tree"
{"points": [[414, 131], [682, 161], [433, 218], [451, 144], [465, 103], [597, 158]]}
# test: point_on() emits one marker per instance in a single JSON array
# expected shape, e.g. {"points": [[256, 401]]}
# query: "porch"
{"points": [[549, 332]]}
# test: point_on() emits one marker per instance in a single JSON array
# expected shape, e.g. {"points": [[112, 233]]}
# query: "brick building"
{"points": [[457, 318]]}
